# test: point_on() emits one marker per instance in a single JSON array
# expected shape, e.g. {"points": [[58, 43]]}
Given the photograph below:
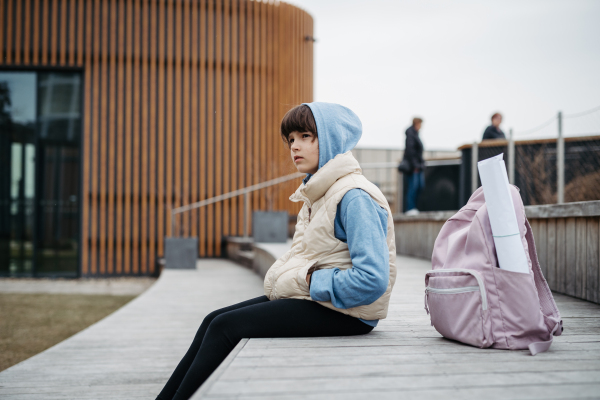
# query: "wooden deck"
{"points": [[405, 358], [131, 353]]}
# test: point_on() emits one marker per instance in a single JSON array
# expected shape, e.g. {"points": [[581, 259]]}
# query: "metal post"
{"points": [[246, 214], [474, 172], [511, 157], [560, 163]]}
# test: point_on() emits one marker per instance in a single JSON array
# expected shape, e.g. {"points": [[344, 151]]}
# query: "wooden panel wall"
{"points": [[569, 253], [182, 102], [568, 250]]}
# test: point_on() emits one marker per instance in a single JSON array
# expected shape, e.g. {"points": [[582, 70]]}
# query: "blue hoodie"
{"points": [[359, 221]]}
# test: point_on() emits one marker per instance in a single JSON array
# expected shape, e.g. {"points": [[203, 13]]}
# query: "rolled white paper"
{"points": [[503, 219]]}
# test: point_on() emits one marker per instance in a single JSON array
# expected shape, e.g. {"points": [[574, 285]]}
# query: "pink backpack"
{"points": [[471, 300]]}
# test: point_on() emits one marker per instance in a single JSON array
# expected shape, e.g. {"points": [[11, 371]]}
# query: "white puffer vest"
{"points": [[315, 245]]}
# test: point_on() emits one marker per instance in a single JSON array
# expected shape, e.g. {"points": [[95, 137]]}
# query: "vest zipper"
{"points": [[309, 211]]}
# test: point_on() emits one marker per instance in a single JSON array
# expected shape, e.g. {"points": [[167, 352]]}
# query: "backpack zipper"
{"points": [[481, 287], [465, 289]]}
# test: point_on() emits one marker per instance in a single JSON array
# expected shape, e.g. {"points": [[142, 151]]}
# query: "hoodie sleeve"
{"points": [[362, 223]]}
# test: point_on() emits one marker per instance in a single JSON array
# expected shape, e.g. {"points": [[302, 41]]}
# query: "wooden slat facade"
{"points": [[182, 102]]}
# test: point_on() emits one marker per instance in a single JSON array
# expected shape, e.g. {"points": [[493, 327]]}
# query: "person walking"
{"points": [[413, 159], [493, 131], [337, 278]]}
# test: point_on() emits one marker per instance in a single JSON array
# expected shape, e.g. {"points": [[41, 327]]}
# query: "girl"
{"points": [[337, 278]]}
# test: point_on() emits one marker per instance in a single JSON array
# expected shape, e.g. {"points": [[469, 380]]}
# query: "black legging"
{"points": [[222, 330]]}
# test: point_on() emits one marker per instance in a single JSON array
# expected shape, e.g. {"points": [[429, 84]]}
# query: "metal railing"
{"points": [[249, 189], [244, 191]]}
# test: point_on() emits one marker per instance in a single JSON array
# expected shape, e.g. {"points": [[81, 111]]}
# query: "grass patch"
{"points": [[31, 323]]}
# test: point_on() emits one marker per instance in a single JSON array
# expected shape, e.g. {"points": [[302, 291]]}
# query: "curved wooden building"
{"points": [[113, 112]]}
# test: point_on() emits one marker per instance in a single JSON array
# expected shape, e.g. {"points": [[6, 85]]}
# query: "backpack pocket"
{"points": [[456, 301]]}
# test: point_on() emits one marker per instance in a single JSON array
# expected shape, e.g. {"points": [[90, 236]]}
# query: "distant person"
{"points": [[493, 131], [413, 156]]}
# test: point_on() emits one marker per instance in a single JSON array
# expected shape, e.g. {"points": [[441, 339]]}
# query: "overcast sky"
{"points": [[454, 63]]}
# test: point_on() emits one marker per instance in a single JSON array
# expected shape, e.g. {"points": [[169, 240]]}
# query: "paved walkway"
{"points": [[131, 353]]}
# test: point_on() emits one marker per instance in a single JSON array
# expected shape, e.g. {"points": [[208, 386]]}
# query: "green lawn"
{"points": [[31, 323]]}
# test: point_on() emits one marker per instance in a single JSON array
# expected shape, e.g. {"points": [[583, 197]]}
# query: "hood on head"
{"points": [[338, 129]]}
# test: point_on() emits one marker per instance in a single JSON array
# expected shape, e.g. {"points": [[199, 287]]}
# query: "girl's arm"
{"points": [[361, 223]]}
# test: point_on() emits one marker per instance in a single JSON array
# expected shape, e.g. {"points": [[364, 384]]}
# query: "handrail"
{"points": [[235, 193], [250, 189]]}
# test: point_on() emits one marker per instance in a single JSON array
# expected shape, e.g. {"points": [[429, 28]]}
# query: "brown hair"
{"points": [[417, 120], [496, 115], [298, 119]]}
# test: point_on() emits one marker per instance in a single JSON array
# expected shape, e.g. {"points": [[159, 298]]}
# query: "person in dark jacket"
{"points": [[493, 131], [413, 153]]}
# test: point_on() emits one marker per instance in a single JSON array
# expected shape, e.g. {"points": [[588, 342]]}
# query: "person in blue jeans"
{"points": [[413, 153]]}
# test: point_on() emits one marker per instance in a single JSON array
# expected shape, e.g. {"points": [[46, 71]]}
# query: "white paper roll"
{"points": [[503, 219]]}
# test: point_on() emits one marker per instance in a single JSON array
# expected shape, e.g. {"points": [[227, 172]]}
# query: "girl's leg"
{"points": [[173, 383], [278, 318]]}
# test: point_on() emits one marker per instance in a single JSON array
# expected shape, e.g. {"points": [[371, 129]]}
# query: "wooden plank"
{"points": [[160, 228], [145, 149], [235, 71], [262, 130], [592, 259], [194, 65], [169, 113], [571, 256], [219, 61], [110, 136], [551, 254], [104, 93], [580, 260], [128, 147], [63, 29], [53, 34], [203, 172], [561, 254], [8, 47], [255, 132], [210, 168], [226, 67], [45, 29], [2, 47], [87, 137], [177, 116], [215, 376], [120, 142], [18, 32], [186, 102], [250, 63], [81, 28], [136, 133], [73, 38], [153, 150], [35, 50], [242, 124], [541, 243]]}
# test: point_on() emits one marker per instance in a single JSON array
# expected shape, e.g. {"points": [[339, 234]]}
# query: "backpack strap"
{"points": [[547, 304]]}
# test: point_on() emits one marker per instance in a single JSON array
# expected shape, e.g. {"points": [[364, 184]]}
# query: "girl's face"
{"points": [[304, 149]]}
